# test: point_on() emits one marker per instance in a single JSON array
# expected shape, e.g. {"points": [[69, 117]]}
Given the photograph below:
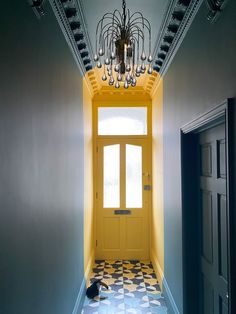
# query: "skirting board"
{"points": [[157, 268], [169, 297], [80, 298], [163, 284], [89, 267]]}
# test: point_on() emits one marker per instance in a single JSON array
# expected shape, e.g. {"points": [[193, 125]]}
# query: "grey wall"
{"points": [[202, 75], [41, 165]]}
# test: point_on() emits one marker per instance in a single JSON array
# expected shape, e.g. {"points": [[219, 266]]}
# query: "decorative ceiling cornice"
{"points": [[177, 20], [215, 8], [69, 14]]}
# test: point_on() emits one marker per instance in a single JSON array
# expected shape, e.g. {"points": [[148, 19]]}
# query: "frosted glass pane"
{"points": [[111, 176], [122, 121], [133, 176]]}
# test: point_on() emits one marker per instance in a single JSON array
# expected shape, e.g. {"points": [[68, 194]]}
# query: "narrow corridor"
{"points": [[133, 288]]}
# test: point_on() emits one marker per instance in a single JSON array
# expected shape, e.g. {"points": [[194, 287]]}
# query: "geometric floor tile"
{"points": [[133, 288]]}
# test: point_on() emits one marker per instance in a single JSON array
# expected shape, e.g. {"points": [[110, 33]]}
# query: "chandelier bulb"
{"points": [[150, 70], [150, 58], [100, 52], [143, 56], [138, 74], [107, 61], [119, 77], [133, 84], [113, 56], [128, 78], [104, 77], [117, 67], [128, 67], [138, 69], [117, 85], [134, 81], [143, 67], [111, 80], [99, 65], [126, 85], [96, 57]]}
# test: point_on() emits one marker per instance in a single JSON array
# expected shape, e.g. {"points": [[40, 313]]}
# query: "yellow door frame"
{"points": [[119, 100]]}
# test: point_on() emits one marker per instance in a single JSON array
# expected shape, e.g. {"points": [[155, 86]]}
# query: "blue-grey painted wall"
{"points": [[201, 76], [41, 165]]}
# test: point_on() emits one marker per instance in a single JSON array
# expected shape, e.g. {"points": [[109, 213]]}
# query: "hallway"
{"points": [[162, 190], [133, 288]]}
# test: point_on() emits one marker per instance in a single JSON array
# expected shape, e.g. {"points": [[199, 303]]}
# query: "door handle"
{"points": [[122, 212]]}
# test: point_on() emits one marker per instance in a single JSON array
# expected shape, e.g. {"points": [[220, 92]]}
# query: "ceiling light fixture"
{"points": [[120, 47]]}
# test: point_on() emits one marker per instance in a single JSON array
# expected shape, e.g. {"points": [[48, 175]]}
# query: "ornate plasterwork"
{"points": [[177, 20], [145, 84], [215, 8], [69, 14]]}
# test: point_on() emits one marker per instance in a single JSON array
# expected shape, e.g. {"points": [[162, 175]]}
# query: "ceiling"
{"points": [[169, 19], [153, 10]]}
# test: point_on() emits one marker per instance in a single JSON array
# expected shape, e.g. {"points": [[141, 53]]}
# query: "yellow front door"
{"points": [[123, 199]]}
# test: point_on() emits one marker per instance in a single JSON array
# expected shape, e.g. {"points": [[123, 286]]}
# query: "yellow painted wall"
{"points": [[88, 181], [157, 216]]}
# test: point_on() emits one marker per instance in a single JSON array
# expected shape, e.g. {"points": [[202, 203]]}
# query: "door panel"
{"points": [[134, 239], [122, 203], [111, 226], [214, 256], [208, 297], [207, 228]]}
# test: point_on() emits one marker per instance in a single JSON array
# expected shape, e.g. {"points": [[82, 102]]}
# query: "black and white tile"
{"points": [[133, 288]]}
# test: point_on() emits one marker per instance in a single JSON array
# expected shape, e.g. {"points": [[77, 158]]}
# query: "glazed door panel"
{"points": [[123, 193]]}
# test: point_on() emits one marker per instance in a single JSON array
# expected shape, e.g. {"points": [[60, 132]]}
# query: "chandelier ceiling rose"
{"points": [[120, 47]]}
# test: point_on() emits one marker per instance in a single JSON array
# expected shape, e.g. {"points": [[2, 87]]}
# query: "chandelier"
{"points": [[120, 47]]}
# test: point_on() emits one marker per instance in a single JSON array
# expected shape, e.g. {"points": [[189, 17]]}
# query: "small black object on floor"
{"points": [[93, 290]]}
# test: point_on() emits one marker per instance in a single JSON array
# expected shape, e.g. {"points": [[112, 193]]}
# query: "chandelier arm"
{"points": [[108, 26], [148, 27], [138, 17], [114, 20], [108, 33], [119, 21], [105, 17], [99, 25], [141, 16], [135, 28], [111, 15], [133, 59], [136, 21], [128, 19], [138, 47], [111, 29], [119, 15]]}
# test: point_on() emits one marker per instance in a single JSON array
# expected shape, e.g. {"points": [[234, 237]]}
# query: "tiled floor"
{"points": [[133, 288]]}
